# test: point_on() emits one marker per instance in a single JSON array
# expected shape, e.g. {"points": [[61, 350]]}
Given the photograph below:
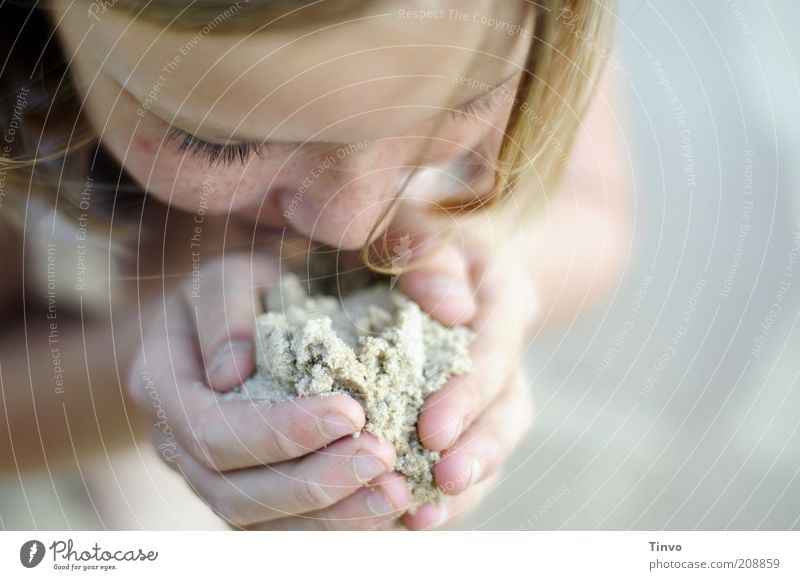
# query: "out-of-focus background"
{"points": [[677, 406]]}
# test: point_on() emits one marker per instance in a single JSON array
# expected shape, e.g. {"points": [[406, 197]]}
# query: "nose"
{"points": [[339, 197]]}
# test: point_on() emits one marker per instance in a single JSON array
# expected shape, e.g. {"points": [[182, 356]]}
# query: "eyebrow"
{"points": [[233, 140]]}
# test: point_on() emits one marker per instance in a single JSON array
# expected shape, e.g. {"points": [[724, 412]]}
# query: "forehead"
{"points": [[369, 76]]}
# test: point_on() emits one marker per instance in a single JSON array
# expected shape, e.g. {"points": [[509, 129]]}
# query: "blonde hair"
{"points": [[562, 64]]}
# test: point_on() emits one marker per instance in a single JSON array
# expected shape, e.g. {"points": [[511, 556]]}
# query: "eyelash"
{"points": [[483, 106], [216, 153]]}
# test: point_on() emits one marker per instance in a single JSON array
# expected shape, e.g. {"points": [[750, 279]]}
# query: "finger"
{"points": [[167, 445], [237, 434], [314, 482], [449, 510], [442, 287], [224, 306], [374, 507], [437, 277], [226, 433], [506, 304], [485, 446]]}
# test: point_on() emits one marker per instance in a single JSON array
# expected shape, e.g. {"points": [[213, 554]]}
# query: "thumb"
{"points": [[225, 310]]}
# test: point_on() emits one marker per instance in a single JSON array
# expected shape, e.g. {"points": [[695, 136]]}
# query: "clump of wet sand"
{"points": [[373, 344]]}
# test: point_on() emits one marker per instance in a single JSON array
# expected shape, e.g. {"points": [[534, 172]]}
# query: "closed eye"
{"points": [[214, 153], [233, 153], [485, 105]]}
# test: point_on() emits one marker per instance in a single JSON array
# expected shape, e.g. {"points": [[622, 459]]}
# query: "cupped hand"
{"points": [[287, 465], [476, 419]]}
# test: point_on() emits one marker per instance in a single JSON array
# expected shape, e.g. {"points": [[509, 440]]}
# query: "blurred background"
{"points": [[678, 407], [677, 404]]}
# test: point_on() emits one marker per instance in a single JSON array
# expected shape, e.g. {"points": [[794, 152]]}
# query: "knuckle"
{"points": [[292, 438], [202, 444], [310, 495], [285, 446]]}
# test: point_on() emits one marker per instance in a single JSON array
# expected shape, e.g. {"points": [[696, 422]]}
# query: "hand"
{"points": [[290, 465], [475, 419]]}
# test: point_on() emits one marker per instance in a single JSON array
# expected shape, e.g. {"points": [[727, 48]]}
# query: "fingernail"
{"points": [[333, 425], [366, 466], [378, 503], [476, 471], [227, 354], [444, 288]]}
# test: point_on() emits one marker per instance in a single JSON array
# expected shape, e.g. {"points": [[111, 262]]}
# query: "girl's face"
{"points": [[314, 129]]}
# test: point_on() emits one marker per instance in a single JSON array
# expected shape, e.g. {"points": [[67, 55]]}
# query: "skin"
{"points": [[297, 465], [239, 87]]}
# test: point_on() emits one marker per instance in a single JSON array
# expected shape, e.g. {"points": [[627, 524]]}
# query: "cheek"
{"points": [[137, 142], [173, 176], [177, 178]]}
